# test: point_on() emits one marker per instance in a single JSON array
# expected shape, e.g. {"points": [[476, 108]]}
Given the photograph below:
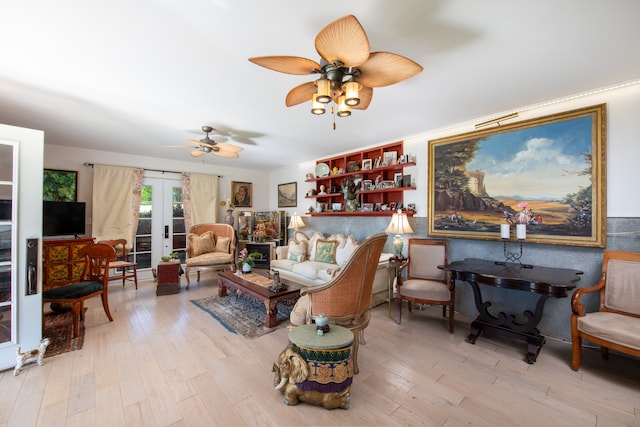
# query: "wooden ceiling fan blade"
{"points": [[287, 64], [365, 95], [344, 40], [197, 153], [201, 143], [385, 68], [228, 147], [226, 154], [300, 94]]}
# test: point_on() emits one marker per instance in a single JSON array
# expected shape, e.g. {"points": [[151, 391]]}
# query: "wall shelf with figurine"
{"points": [[370, 182]]}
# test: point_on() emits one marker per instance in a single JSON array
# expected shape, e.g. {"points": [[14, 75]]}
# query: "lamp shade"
{"points": [[343, 109], [351, 90], [324, 90], [399, 224], [296, 222], [317, 107]]}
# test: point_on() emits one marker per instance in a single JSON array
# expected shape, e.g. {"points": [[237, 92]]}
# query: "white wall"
{"points": [[70, 158], [622, 153], [623, 150]]}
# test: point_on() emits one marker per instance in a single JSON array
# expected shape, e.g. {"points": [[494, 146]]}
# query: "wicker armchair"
{"points": [[346, 299], [210, 247]]}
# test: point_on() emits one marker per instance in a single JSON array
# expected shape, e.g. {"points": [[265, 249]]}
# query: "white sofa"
{"points": [[304, 261]]}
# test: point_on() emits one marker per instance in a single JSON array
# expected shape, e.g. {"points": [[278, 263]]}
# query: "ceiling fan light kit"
{"points": [[348, 69]]}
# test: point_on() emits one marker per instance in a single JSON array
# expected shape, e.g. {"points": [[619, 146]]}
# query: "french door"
{"points": [[21, 168], [161, 229]]}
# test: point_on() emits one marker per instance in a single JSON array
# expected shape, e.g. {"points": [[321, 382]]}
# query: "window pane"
{"points": [[144, 226], [179, 242], [178, 225], [143, 244], [5, 243], [143, 260], [5, 283], [5, 324], [6, 163]]}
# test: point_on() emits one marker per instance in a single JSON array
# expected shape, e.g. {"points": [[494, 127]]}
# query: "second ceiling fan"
{"points": [[207, 145], [348, 69]]}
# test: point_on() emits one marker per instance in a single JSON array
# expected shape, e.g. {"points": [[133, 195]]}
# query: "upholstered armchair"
{"points": [[616, 324], [346, 298], [210, 247], [425, 283]]}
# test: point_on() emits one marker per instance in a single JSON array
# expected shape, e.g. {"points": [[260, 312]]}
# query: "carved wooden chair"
{"points": [[94, 282], [616, 324], [425, 282], [123, 270], [346, 298]]}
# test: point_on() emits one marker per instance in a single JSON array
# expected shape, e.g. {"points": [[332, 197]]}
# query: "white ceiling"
{"points": [[132, 76]]}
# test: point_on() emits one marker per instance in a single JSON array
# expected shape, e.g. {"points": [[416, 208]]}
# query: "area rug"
{"points": [[242, 316], [58, 327]]}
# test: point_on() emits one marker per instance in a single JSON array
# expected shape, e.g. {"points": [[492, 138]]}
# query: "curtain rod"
{"points": [[153, 170]]}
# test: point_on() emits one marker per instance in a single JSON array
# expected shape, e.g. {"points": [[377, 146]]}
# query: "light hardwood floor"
{"points": [[164, 362]]}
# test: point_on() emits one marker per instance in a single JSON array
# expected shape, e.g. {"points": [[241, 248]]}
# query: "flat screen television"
{"points": [[63, 218]]}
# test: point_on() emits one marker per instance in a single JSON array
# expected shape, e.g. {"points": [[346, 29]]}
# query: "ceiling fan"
{"points": [[348, 69], [207, 145]]}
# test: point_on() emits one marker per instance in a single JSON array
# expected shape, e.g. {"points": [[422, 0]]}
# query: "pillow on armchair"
{"points": [[201, 244], [222, 245]]}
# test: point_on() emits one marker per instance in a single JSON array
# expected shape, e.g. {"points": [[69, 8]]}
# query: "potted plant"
{"points": [[246, 260]]}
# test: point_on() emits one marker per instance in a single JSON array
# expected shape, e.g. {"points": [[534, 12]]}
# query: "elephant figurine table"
{"points": [[316, 369]]}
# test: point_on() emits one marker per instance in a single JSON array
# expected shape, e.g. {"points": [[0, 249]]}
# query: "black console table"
{"points": [[544, 281]]}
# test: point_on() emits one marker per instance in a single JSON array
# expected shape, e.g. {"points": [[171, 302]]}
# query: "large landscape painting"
{"points": [[547, 173]]}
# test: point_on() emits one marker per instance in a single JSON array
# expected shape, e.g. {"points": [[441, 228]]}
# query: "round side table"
{"points": [[330, 366]]}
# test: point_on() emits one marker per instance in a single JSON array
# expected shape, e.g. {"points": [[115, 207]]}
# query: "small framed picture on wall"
{"points": [[242, 193]]}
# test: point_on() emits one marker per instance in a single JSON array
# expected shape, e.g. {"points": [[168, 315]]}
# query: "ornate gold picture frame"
{"points": [[548, 173]]}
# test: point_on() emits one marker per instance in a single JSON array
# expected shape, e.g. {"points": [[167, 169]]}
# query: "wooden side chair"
{"points": [[93, 282], [346, 299], [616, 323], [425, 282], [123, 270]]}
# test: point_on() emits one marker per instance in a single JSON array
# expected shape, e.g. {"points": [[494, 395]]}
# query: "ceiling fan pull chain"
{"points": [[333, 111]]}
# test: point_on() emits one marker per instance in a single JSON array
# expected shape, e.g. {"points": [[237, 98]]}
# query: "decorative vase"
{"points": [[246, 268]]}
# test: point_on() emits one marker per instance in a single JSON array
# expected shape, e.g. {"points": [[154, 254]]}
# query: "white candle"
{"points": [[521, 231], [504, 231]]}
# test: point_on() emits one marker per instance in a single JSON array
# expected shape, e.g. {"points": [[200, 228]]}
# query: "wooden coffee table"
{"points": [[229, 281]]}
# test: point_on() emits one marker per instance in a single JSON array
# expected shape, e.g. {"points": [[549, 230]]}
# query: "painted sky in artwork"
{"points": [[535, 163]]}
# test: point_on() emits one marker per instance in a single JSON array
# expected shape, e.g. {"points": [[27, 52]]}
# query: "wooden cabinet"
{"points": [[378, 173], [168, 278], [61, 264]]}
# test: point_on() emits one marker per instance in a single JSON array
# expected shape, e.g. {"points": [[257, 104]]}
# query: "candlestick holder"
{"points": [[512, 256]]}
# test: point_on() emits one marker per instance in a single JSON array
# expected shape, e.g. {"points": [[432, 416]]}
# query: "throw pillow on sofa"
{"points": [[326, 251], [297, 250], [344, 253], [201, 244]]}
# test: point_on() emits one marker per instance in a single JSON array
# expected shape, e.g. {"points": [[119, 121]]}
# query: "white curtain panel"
{"points": [[113, 188], [204, 198]]}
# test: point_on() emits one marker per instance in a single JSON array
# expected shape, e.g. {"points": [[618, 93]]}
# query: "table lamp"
{"points": [[296, 222], [399, 225]]}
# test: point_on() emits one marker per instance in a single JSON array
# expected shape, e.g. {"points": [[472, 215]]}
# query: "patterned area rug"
{"points": [[241, 316], [59, 328]]}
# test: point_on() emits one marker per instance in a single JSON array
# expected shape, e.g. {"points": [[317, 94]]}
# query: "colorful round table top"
{"points": [[306, 336]]}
